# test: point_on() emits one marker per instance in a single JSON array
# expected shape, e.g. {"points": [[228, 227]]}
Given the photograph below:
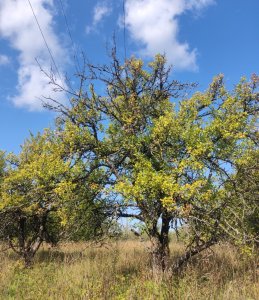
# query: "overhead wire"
{"points": [[71, 38], [76, 60], [63, 84], [45, 41], [124, 30]]}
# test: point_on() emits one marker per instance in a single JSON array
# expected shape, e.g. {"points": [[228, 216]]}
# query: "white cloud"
{"points": [[154, 24], [18, 26], [4, 60], [101, 10]]}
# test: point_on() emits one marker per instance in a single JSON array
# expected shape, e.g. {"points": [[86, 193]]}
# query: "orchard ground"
{"points": [[121, 270]]}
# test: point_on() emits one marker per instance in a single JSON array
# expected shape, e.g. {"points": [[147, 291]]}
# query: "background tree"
{"points": [[43, 198], [33, 190]]}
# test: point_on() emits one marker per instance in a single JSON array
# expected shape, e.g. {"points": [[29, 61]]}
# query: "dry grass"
{"points": [[122, 271]]}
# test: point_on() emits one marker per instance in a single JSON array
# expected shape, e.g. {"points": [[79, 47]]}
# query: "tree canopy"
{"points": [[163, 157]]}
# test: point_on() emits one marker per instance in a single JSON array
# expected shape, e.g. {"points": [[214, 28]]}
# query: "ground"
{"points": [[121, 270]]}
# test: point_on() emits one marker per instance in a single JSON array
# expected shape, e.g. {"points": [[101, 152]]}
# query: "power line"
{"points": [[70, 35], [124, 31], [42, 34]]}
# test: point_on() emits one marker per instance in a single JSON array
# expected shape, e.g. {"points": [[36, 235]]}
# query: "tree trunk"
{"points": [[28, 258], [160, 246], [29, 253], [160, 254]]}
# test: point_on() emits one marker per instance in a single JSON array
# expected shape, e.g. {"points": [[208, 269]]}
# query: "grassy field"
{"points": [[122, 271]]}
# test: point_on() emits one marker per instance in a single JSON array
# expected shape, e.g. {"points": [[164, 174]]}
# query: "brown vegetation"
{"points": [[122, 271]]}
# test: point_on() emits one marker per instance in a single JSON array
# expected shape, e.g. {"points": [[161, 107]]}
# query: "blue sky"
{"points": [[200, 37]]}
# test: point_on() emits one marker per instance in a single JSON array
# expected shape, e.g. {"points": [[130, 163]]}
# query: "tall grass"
{"points": [[122, 271]]}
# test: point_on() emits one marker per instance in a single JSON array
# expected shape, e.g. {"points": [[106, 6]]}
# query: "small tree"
{"points": [[43, 198], [34, 189], [161, 159]]}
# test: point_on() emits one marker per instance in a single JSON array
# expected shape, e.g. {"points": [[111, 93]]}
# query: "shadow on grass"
{"points": [[58, 256], [128, 271], [52, 256]]}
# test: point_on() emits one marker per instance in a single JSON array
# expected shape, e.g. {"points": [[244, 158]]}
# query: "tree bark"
{"points": [[29, 253], [28, 258], [160, 246], [160, 254]]}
